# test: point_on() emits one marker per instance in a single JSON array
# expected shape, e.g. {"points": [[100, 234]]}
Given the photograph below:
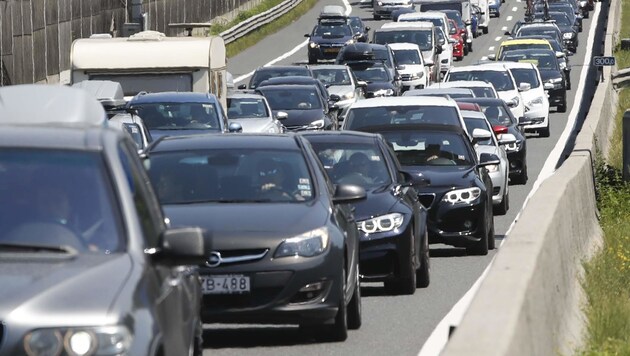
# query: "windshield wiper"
{"points": [[15, 247], [227, 201]]}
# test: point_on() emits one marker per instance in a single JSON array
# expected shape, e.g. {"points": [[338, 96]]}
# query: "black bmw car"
{"points": [[551, 74], [502, 120], [394, 247], [286, 244], [451, 182]]}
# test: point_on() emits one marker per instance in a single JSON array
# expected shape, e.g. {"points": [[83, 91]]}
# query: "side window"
{"points": [[146, 204]]}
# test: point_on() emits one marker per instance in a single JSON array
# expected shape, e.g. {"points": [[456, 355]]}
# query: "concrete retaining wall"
{"points": [[531, 300], [36, 35]]}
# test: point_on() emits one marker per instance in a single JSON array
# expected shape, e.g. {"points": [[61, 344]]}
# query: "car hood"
{"points": [[255, 125], [340, 89], [379, 201], [331, 39], [374, 86], [546, 74], [79, 290], [248, 226], [300, 117], [155, 134], [411, 69], [441, 178]]}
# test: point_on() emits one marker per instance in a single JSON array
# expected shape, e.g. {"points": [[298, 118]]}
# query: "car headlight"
{"points": [[313, 45], [317, 124], [583, 3], [349, 42], [384, 92], [537, 101], [462, 196], [492, 168], [568, 35], [348, 96], [308, 244], [515, 146], [108, 340], [563, 65], [380, 3], [381, 223], [555, 80], [416, 76]]}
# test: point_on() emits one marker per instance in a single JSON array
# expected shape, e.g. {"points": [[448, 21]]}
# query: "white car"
{"points": [[340, 81], [253, 113], [411, 66], [486, 142], [535, 99], [403, 110], [481, 89], [384, 8], [446, 56], [500, 77]]}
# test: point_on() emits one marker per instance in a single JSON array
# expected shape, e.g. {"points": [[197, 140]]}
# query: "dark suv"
{"points": [[89, 266]]}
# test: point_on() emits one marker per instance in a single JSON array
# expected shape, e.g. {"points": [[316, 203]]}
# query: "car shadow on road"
{"points": [[255, 336], [447, 252]]}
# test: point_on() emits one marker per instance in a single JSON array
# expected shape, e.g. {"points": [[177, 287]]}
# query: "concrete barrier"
{"points": [[531, 300]]}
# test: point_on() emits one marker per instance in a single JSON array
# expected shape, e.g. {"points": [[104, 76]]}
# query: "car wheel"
{"points": [[521, 178], [405, 284], [197, 347], [480, 248], [568, 84], [470, 49], [339, 330], [312, 60], [377, 17], [423, 277], [354, 307], [563, 106], [491, 241], [485, 30], [504, 206], [544, 132]]}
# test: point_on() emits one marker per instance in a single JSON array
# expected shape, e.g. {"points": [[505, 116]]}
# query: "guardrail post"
{"points": [[626, 145]]}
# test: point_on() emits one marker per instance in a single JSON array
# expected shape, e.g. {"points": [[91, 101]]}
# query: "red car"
{"points": [[455, 33]]}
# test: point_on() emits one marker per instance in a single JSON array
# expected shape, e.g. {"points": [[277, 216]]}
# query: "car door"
{"points": [[176, 291]]}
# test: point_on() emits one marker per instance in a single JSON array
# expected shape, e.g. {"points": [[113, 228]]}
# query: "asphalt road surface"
{"points": [[397, 325]]}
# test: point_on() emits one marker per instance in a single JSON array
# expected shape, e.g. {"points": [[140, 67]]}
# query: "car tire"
{"points": [[377, 17], [312, 60], [484, 30], [568, 84], [522, 177], [544, 132], [504, 206], [563, 107], [491, 240], [423, 274], [470, 48], [354, 307], [403, 285], [197, 347], [339, 330], [480, 248]]}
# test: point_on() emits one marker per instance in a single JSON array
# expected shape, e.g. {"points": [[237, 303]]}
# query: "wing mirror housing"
{"points": [[428, 63], [282, 115], [235, 127], [524, 87], [242, 86], [480, 135], [560, 55], [348, 193], [452, 41], [307, 35], [362, 84], [507, 139], [184, 246], [548, 86]]}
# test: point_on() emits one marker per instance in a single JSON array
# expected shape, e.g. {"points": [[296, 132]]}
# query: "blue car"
{"points": [[180, 113], [494, 7], [327, 39]]}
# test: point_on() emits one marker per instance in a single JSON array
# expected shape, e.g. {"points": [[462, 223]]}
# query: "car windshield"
{"points": [[523, 75], [332, 30], [546, 60], [407, 56], [560, 18], [457, 17], [483, 92], [356, 24], [429, 148], [423, 38], [332, 76], [473, 123], [292, 99], [500, 79], [179, 116], [135, 132], [512, 47], [58, 198], [537, 30], [371, 74], [242, 108], [383, 56], [411, 114], [268, 72], [231, 176], [497, 114], [359, 164]]}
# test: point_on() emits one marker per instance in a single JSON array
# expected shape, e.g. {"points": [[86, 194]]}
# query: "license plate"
{"points": [[331, 50], [225, 284]]}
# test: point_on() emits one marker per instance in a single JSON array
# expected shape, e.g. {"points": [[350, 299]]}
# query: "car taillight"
{"points": [[499, 129]]}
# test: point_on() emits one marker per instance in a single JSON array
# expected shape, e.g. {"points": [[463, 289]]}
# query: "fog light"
{"points": [[311, 293], [312, 287], [468, 224]]}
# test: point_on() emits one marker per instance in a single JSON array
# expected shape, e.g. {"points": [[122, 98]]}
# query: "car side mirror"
{"points": [[441, 42], [400, 67], [348, 193], [438, 49], [428, 63], [560, 55], [362, 84], [282, 115], [367, 28], [397, 78], [183, 246], [242, 86], [507, 33], [507, 139], [488, 159], [334, 98], [235, 127], [308, 35], [524, 87], [492, 57], [548, 86], [481, 134]]}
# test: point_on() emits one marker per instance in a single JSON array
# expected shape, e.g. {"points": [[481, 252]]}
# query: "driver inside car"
{"points": [[272, 178]]}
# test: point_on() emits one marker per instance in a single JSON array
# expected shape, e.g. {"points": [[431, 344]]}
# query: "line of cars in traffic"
{"points": [[270, 209]]}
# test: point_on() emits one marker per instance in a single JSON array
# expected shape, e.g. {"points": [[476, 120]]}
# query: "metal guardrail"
{"points": [[258, 21], [621, 79]]}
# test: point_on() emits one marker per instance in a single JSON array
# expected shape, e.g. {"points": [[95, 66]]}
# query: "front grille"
{"points": [[496, 190], [405, 77], [230, 257], [426, 199]]}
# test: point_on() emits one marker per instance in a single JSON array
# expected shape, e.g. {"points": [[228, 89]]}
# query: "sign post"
{"points": [[601, 61]]}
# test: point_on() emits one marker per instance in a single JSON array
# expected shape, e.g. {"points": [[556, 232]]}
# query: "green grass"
{"points": [[254, 37], [623, 57]]}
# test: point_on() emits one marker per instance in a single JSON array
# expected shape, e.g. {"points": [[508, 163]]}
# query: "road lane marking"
{"points": [[491, 49], [514, 8], [498, 39], [504, 28], [439, 337], [290, 53], [509, 18]]}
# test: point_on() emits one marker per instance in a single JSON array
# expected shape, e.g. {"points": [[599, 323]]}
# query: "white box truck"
{"points": [[151, 62]]}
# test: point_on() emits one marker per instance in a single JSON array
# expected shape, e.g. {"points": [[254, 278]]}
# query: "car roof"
{"points": [[48, 105], [173, 97], [223, 141], [56, 137], [246, 96], [438, 90], [406, 25], [520, 41], [332, 11], [403, 101], [340, 136], [106, 91], [329, 66], [280, 67], [519, 65], [403, 45], [425, 14], [287, 87], [482, 101], [483, 66], [462, 84], [533, 50]]}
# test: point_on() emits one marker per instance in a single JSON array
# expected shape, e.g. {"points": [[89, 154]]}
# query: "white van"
{"points": [[484, 17], [151, 62], [463, 6]]}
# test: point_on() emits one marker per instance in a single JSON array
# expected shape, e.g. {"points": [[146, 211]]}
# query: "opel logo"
{"points": [[214, 260]]}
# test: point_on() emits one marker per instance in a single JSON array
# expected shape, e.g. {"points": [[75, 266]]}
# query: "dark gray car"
{"points": [[89, 266]]}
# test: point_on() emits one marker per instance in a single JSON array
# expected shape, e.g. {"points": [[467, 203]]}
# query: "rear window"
{"points": [[423, 38], [267, 73], [392, 115], [500, 79]]}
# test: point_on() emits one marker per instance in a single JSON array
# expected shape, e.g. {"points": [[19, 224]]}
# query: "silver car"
{"points": [[253, 113], [341, 82], [486, 142], [134, 126]]}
